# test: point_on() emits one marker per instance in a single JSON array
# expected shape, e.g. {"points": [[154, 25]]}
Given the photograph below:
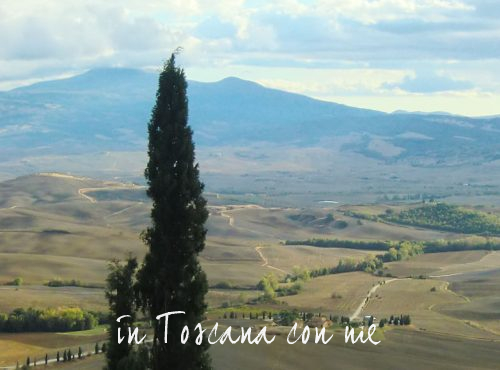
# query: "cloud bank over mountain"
{"points": [[370, 53]]}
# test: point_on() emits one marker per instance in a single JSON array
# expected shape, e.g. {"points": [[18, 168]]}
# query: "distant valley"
{"points": [[250, 139]]}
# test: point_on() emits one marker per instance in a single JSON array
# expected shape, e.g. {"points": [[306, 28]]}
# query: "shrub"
{"points": [[18, 281]]}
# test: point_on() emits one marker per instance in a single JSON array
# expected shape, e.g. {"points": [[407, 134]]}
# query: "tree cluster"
{"points": [[448, 217], [61, 319]]}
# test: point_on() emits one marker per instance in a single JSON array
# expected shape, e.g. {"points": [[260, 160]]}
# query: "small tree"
{"points": [[382, 323], [58, 357], [121, 297], [96, 348], [80, 352], [46, 359]]}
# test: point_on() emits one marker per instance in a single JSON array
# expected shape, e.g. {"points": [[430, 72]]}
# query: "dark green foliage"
{"points": [[369, 264], [139, 359], [448, 217], [335, 243], [57, 283], [382, 323], [396, 320], [473, 243], [225, 285], [58, 357], [286, 318], [399, 250], [341, 224], [171, 277], [48, 320], [120, 295]]}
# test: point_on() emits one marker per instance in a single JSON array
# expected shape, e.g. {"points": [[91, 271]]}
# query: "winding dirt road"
{"points": [[265, 261], [357, 313], [223, 211]]}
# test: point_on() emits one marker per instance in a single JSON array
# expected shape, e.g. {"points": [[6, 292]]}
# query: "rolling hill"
{"points": [[249, 139], [107, 109]]}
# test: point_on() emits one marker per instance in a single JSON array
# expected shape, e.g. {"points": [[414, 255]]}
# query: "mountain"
{"points": [[107, 110]]}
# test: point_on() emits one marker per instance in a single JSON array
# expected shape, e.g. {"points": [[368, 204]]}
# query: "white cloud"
{"points": [[322, 48]]}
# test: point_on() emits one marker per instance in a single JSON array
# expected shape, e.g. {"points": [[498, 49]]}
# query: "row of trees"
{"points": [[448, 217], [252, 316], [48, 320], [292, 283], [368, 264], [348, 244], [395, 320], [401, 250], [66, 356], [57, 283]]}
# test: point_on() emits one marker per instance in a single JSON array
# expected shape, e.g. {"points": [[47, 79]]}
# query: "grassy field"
{"points": [[43, 268], [54, 227], [436, 263], [44, 297], [16, 347], [414, 297], [350, 290], [407, 348]]}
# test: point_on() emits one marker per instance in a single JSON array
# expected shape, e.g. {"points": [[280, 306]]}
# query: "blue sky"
{"points": [[426, 55]]}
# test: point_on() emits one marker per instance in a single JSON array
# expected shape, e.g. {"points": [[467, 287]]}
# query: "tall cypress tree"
{"points": [[171, 278]]}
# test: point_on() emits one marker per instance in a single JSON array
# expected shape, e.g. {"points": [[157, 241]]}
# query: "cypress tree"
{"points": [[171, 278], [121, 298]]}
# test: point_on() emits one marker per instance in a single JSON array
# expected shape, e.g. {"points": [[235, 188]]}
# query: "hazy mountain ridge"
{"points": [[108, 109]]}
